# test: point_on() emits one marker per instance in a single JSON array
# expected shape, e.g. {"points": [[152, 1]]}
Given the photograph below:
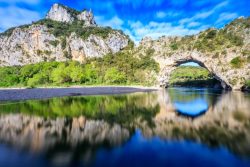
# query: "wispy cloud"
{"points": [[161, 14], [138, 30], [114, 22], [14, 16], [226, 17]]}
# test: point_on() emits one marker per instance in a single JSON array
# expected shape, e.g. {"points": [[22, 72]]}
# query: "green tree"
{"points": [[37, 79], [60, 74], [90, 74], [113, 76], [77, 74]]}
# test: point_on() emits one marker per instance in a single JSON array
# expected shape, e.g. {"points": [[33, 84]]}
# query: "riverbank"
{"points": [[15, 94]]}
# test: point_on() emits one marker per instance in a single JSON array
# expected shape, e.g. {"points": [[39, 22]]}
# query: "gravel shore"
{"points": [[45, 93]]}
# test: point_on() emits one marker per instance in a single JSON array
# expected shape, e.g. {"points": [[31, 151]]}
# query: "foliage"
{"points": [[60, 75], [120, 68], [54, 43], [191, 76], [113, 76], [237, 62], [217, 40], [9, 76], [248, 83], [60, 29], [174, 46]]}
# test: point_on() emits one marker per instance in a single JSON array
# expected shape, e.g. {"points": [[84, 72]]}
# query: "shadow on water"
{"points": [[172, 127]]}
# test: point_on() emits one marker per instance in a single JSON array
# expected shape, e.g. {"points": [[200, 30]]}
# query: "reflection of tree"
{"points": [[226, 123], [121, 109]]}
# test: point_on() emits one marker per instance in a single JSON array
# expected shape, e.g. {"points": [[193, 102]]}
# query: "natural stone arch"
{"points": [[169, 64]]}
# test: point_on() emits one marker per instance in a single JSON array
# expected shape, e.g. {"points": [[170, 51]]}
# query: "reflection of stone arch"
{"points": [[174, 61]]}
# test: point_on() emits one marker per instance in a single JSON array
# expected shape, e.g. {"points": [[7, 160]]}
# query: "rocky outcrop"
{"points": [[224, 52], [40, 41], [62, 13]]}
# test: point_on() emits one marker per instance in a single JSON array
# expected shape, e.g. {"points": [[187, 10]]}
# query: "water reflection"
{"points": [[143, 128]]}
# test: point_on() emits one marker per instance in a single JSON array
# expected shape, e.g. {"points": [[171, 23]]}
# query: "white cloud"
{"points": [[114, 22], [226, 17], [161, 14], [137, 30], [193, 24], [15, 16], [203, 15]]}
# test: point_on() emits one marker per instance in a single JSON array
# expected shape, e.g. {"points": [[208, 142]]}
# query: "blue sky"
{"points": [[137, 18]]}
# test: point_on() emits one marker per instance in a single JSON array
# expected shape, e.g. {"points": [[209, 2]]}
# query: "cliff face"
{"points": [[224, 52], [65, 14], [64, 34]]}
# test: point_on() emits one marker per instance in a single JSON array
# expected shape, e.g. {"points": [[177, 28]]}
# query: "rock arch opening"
{"points": [[191, 73]]}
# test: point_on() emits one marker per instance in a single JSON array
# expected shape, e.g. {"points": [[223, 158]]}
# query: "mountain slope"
{"points": [[64, 34]]}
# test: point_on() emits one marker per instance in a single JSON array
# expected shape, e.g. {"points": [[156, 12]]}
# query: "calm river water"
{"points": [[172, 127]]}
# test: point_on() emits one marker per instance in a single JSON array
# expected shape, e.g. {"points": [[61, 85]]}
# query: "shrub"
{"points": [[60, 75], [150, 52], [211, 34], [174, 46], [54, 43], [113, 76], [237, 62], [38, 79]]}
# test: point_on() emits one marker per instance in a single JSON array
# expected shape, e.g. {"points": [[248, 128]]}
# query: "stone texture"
{"points": [[59, 13]]}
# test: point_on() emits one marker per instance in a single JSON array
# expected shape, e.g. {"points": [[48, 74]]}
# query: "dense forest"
{"points": [[112, 69]]}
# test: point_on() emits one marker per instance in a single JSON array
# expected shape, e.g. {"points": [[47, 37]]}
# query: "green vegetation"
{"points": [[248, 83], [174, 46], [191, 76], [60, 29], [217, 40], [111, 69], [237, 62]]}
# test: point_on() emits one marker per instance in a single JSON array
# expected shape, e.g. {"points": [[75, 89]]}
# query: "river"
{"points": [[169, 127]]}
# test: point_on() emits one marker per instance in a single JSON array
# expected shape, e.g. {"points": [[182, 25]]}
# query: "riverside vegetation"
{"points": [[110, 70]]}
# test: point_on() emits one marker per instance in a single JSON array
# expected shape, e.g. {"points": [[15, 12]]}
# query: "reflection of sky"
{"points": [[192, 108], [140, 151]]}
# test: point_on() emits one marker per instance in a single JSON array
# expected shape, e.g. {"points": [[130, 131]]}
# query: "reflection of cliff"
{"points": [[226, 123], [36, 133]]}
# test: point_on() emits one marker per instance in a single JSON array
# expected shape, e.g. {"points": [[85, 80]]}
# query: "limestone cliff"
{"points": [[64, 34], [224, 52], [62, 13]]}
